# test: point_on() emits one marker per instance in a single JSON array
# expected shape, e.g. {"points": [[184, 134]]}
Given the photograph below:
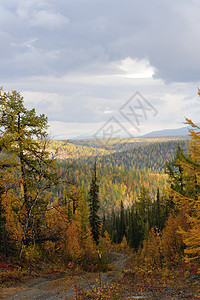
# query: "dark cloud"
{"points": [[81, 34], [79, 61]]}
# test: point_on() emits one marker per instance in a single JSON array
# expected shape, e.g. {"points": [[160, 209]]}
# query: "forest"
{"points": [[68, 203]]}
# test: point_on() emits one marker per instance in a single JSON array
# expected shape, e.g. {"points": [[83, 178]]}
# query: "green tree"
{"points": [[122, 226], [159, 211], [94, 206], [144, 204], [175, 171], [23, 137], [135, 231]]}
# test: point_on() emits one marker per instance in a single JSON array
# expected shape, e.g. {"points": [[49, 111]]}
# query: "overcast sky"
{"points": [[80, 62]]}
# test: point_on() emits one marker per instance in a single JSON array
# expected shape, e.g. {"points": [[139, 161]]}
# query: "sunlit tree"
{"points": [[23, 138]]}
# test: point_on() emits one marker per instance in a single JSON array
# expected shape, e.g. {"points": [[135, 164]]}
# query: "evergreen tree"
{"points": [[24, 140], [94, 206], [113, 228], [175, 171], [144, 204], [158, 218], [121, 223], [103, 224], [135, 233]]}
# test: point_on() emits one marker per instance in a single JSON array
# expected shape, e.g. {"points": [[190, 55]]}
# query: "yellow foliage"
{"points": [[151, 253], [172, 240], [75, 243], [32, 253], [89, 260], [124, 245], [13, 226], [106, 241], [57, 219], [49, 248], [191, 238], [71, 244], [190, 205]]}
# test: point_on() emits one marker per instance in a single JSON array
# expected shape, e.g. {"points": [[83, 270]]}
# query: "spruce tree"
{"points": [[121, 223], [175, 171], [158, 218], [94, 206]]}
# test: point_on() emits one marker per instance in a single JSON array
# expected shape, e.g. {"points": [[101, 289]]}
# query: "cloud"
{"points": [[25, 9], [136, 68], [41, 14], [81, 60], [48, 19], [87, 33]]}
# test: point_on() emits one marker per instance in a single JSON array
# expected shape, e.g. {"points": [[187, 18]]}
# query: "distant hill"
{"points": [[150, 157], [148, 154], [183, 131], [121, 173], [124, 143]]}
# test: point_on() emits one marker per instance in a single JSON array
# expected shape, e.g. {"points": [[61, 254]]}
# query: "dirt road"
{"points": [[66, 285]]}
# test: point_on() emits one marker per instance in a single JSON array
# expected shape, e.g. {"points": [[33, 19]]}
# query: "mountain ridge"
{"points": [[174, 132], [182, 131]]}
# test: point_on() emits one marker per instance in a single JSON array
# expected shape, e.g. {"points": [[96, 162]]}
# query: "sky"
{"points": [[103, 68]]}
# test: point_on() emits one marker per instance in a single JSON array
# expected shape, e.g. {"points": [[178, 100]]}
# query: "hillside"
{"points": [[179, 132], [82, 149], [121, 174], [122, 144], [150, 157]]}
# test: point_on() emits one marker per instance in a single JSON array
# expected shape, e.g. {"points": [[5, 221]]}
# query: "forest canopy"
{"points": [[70, 207]]}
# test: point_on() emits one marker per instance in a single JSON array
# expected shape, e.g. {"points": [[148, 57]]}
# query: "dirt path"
{"points": [[65, 287]]}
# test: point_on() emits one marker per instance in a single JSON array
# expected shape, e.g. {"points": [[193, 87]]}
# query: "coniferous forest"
{"points": [[67, 204]]}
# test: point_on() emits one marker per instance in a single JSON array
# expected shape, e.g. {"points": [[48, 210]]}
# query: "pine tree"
{"points": [[94, 206], [23, 137]]}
